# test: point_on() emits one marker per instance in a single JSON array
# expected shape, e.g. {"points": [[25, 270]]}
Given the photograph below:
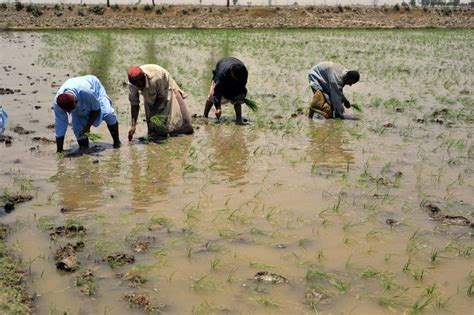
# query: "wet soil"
{"points": [[316, 202], [90, 16]]}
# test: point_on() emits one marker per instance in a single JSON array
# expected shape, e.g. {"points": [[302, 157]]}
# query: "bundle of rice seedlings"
{"points": [[158, 121], [251, 104], [93, 136], [356, 107]]}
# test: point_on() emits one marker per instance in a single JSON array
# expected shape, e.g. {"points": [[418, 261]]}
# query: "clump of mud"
{"points": [[22, 131], [142, 244], [43, 140], [86, 281], [436, 214], [142, 301], [17, 198], [10, 200], [6, 139], [66, 258], [119, 259], [6, 91], [3, 231], [135, 281], [315, 297], [267, 277], [68, 231]]}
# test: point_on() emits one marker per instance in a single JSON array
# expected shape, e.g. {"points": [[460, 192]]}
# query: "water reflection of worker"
{"points": [[327, 79], [325, 144], [78, 189], [165, 109], [230, 150], [153, 167], [229, 80]]}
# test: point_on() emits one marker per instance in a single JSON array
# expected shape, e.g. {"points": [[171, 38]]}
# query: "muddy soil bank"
{"points": [[146, 16]]}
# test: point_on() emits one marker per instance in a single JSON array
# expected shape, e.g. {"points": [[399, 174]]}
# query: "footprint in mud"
{"points": [[142, 301], [119, 259], [65, 257], [267, 277], [142, 244]]}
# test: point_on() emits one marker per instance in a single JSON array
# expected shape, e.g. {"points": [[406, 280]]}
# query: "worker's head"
{"points": [[136, 77], [66, 101], [238, 72], [351, 77]]}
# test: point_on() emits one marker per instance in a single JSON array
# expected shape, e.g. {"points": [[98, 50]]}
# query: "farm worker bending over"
{"points": [[327, 80], [229, 79], [165, 109], [86, 100]]}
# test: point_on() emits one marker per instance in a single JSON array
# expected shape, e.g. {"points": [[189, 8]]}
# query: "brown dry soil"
{"points": [[145, 16]]}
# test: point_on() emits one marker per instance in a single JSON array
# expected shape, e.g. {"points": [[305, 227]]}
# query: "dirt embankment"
{"points": [[145, 16]]}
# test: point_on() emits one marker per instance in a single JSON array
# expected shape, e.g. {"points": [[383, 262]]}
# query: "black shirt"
{"points": [[226, 85]]}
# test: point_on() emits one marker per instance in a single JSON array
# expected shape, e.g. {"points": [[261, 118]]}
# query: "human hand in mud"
{"points": [[85, 131], [347, 104], [131, 132], [218, 113]]}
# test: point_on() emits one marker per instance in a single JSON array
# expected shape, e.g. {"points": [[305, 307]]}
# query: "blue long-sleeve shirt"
{"points": [[90, 95], [327, 77]]}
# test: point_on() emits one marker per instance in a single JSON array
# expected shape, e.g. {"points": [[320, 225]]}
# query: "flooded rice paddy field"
{"points": [[367, 216]]}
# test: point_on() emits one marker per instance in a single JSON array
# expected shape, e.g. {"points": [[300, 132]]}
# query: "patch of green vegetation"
{"points": [[14, 297], [321, 280]]}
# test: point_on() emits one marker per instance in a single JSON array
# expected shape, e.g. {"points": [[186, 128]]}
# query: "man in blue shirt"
{"points": [[86, 100], [327, 79]]}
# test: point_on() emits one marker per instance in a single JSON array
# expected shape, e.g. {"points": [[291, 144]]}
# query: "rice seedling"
{"points": [[202, 283], [356, 107], [93, 136], [470, 288], [264, 299], [259, 265], [215, 262], [313, 276], [420, 304], [251, 104], [202, 309]]}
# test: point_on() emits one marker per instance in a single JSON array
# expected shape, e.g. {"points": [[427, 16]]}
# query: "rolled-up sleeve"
{"points": [[60, 121], [133, 95]]}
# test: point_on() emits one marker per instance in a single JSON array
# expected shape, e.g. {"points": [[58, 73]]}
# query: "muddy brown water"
{"points": [[282, 194]]}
